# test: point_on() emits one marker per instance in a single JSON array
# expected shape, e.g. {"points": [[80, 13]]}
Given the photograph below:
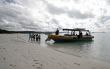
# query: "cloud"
{"points": [[77, 14], [71, 13], [47, 15], [108, 2], [14, 17], [104, 19], [53, 9], [9, 1]]}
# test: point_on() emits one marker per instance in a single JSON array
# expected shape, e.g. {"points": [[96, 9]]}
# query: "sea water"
{"points": [[98, 49]]}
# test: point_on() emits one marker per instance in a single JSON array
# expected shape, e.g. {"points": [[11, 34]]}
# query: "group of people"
{"points": [[34, 36]]}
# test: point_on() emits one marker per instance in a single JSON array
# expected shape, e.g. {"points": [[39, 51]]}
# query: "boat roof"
{"points": [[76, 29]]}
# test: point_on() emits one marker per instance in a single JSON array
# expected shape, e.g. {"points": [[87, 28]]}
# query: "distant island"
{"points": [[2, 31], [98, 32]]}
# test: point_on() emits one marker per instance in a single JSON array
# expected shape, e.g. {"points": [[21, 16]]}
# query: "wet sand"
{"points": [[16, 52]]}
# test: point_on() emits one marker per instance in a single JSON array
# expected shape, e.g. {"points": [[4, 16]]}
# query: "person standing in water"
{"points": [[30, 36]]}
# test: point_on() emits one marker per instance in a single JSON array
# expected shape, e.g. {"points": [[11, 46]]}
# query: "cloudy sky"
{"points": [[47, 15]]}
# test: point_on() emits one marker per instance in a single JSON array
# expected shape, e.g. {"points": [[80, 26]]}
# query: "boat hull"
{"points": [[59, 38]]}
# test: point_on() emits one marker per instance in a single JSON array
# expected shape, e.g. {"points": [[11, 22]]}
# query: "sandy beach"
{"points": [[16, 52]]}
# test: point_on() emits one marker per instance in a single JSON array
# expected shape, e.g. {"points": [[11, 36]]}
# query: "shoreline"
{"points": [[16, 52]]}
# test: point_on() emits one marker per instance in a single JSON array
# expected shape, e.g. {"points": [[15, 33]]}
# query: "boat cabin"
{"points": [[77, 31]]}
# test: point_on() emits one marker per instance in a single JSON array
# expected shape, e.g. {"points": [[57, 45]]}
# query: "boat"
{"points": [[71, 35]]}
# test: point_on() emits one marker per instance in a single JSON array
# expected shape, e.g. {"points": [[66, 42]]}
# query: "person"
{"points": [[57, 32], [87, 34], [30, 36], [80, 34], [73, 33], [36, 37], [39, 37], [33, 36]]}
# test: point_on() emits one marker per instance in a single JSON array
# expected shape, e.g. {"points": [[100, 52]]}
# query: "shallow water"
{"points": [[98, 49]]}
